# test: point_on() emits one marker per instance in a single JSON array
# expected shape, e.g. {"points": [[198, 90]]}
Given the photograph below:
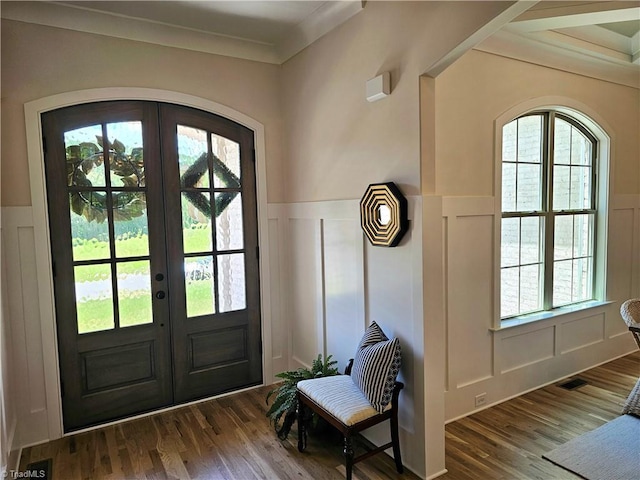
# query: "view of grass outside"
{"points": [[94, 287], [94, 284]]}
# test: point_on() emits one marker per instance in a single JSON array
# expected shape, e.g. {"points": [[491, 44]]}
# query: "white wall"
{"points": [[465, 103]]}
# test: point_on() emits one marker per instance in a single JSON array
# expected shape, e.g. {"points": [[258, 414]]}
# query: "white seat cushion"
{"points": [[339, 396]]}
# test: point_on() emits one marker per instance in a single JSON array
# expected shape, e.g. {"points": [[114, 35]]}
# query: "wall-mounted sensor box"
{"points": [[379, 87]]}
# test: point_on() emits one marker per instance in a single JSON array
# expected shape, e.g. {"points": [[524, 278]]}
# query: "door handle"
{"points": [[160, 295]]}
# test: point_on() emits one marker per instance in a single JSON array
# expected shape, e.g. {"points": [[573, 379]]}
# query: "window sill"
{"points": [[551, 314]]}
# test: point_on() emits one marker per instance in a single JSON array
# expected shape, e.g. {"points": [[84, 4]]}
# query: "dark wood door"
{"points": [[209, 177], [156, 295]]}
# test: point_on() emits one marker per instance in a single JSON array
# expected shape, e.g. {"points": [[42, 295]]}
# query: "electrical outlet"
{"points": [[481, 399]]}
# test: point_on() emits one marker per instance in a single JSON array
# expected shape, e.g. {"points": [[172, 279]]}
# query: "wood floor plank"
{"points": [[509, 439], [230, 438]]}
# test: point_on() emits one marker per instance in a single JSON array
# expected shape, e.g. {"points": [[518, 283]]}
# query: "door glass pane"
{"points": [[89, 230], [232, 283], [196, 222], [226, 166], [126, 161], [199, 286], [85, 163], [94, 298], [134, 293], [192, 157], [130, 224], [229, 228]]}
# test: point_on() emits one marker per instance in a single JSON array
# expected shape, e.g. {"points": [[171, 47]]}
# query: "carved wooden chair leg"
{"points": [[395, 440], [328, 397], [302, 432], [348, 455]]}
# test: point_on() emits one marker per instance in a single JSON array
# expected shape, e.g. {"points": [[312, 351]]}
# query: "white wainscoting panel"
{"points": [[322, 255], [343, 277], [581, 333], [8, 416], [336, 283], [24, 317], [621, 246], [305, 307], [525, 349], [471, 296], [503, 363], [279, 340]]}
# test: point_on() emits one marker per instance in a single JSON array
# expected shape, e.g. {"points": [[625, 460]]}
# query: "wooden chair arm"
{"points": [[347, 370]]}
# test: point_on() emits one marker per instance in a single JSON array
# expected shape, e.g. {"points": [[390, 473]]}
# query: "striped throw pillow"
{"points": [[373, 334], [376, 366]]}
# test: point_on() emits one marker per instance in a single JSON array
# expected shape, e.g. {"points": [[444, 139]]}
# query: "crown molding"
{"points": [[102, 23], [323, 20], [90, 21], [553, 15], [541, 51]]}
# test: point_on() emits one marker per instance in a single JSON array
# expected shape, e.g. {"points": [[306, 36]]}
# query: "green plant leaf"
{"points": [[285, 402], [118, 146]]}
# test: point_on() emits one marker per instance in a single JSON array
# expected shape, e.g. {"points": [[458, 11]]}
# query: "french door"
{"points": [[153, 223]]}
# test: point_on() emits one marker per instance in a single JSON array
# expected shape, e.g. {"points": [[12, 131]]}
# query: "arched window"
{"points": [[549, 213]]}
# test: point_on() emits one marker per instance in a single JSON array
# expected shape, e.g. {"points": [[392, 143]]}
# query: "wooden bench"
{"points": [[342, 404]]}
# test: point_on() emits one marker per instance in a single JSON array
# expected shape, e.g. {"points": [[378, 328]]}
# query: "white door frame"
{"points": [[35, 155]]}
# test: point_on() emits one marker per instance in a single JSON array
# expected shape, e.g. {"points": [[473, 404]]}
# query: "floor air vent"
{"points": [[573, 384]]}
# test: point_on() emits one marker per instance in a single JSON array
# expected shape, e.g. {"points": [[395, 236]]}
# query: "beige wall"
{"points": [[459, 109], [479, 87], [337, 142], [39, 61], [325, 142]]}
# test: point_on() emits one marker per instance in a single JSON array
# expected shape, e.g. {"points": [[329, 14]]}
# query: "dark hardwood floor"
{"points": [[230, 438]]}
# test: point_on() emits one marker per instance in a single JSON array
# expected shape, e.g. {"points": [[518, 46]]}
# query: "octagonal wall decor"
{"points": [[383, 214]]}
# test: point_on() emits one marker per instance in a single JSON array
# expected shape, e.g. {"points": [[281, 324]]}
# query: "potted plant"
{"points": [[285, 402]]}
